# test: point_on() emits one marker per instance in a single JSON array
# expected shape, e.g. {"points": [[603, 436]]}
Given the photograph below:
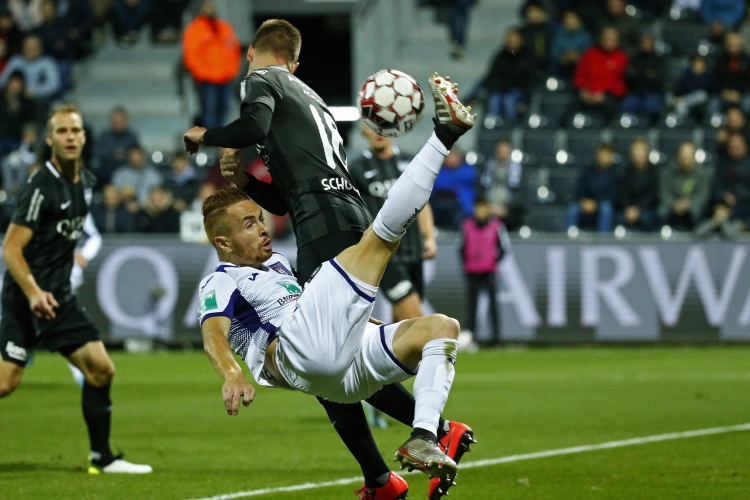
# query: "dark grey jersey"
{"points": [[374, 178], [305, 156], [54, 208]]}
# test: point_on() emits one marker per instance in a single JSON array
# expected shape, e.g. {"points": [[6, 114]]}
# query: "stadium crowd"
{"points": [[618, 113], [40, 42]]}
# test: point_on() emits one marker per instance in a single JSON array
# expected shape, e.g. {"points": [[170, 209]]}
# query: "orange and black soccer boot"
{"points": [[455, 443], [395, 489]]}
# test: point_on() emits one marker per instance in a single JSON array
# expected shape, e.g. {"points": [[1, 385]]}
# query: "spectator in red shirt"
{"points": [[600, 76]]}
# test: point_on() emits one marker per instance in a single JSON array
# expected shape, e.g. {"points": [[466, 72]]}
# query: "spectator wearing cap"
{"points": [[732, 72], [685, 187], [571, 40], [600, 76], [640, 189], [645, 77], [509, 77], [596, 194]]}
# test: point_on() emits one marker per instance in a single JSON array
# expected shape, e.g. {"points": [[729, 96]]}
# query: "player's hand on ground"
{"points": [[43, 305], [236, 390], [429, 249], [193, 138], [231, 165]]}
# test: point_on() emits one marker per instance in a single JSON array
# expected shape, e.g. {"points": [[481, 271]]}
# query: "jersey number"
{"points": [[334, 145]]}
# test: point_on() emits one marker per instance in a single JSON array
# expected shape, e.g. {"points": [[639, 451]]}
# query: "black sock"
{"points": [[396, 402], [423, 433], [97, 411], [351, 424]]}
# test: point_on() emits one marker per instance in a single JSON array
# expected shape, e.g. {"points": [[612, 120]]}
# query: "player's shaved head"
{"points": [[215, 218], [279, 37]]}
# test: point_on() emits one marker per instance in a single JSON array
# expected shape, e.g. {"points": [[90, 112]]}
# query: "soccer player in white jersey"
{"points": [[323, 342]]}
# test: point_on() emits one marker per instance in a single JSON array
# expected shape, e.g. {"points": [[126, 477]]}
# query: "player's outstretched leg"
{"points": [[367, 260], [428, 346]]}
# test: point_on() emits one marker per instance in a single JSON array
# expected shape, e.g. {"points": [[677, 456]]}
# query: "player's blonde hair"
{"points": [[279, 37], [62, 109], [215, 209]]}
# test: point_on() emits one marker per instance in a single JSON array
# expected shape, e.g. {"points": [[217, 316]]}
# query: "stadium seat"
{"points": [[683, 38], [582, 144], [541, 145], [709, 140], [547, 219], [562, 184], [554, 106]]}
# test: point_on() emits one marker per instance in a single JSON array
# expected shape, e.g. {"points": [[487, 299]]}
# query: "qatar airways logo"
{"points": [[71, 229]]}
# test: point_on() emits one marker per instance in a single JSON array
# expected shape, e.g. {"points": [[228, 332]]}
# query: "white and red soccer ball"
{"points": [[391, 103]]}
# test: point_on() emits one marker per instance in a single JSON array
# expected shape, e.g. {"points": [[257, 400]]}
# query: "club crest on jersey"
{"points": [[208, 303], [280, 268]]}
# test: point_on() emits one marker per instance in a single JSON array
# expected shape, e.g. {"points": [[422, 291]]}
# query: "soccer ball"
{"points": [[391, 103]]}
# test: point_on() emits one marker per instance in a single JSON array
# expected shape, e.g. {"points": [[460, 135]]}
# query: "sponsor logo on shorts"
{"points": [[208, 302], [399, 291], [15, 352]]}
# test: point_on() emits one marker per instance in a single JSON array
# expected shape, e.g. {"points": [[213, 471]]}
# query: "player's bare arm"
{"points": [[193, 139], [236, 387], [231, 168], [426, 223], [42, 303]]}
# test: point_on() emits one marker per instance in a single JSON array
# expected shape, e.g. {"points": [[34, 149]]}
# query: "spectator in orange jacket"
{"points": [[211, 52], [600, 76]]}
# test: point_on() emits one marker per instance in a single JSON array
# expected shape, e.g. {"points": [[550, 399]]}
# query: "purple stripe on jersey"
{"points": [[390, 354], [246, 314], [351, 283]]}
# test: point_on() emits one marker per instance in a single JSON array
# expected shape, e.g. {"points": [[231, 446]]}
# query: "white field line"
{"points": [[503, 460]]}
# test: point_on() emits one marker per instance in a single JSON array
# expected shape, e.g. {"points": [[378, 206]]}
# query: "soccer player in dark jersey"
{"points": [[304, 153], [39, 308], [374, 173]]}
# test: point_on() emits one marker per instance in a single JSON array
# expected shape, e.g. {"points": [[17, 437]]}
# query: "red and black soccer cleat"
{"points": [[395, 489], [458, 441]]}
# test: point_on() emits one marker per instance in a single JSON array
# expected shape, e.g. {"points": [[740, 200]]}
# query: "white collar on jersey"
{"points": [[368, 154], [52, 169]]}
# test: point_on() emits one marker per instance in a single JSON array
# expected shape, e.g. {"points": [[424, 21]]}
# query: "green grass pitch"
{"points": [[168, 413]]}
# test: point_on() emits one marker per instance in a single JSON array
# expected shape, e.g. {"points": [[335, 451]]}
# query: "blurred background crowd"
{"points": [[598, 115], [613, 116]]}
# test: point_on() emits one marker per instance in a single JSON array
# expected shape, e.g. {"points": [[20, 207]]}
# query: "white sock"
{"points": [[433, 382], [410, 192]]}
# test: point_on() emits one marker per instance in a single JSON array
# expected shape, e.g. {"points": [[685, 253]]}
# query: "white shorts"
{"points": [[328, 348]]}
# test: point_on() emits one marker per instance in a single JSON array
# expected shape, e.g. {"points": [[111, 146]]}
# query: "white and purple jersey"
{"points": [[257, 301]]}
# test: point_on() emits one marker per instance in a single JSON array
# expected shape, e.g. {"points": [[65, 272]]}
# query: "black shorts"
{"points": [[401, 280], [21, 331]]}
